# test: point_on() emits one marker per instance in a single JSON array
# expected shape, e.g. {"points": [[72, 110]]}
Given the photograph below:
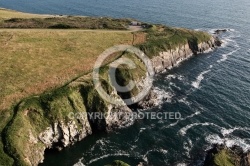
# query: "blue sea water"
{"points": [[211, 91]]}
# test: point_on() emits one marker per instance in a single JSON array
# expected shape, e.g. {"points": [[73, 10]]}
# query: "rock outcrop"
{"points": [[170, 58], [222, 155]]}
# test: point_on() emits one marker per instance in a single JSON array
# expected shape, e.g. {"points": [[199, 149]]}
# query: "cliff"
{"points": [[45, 122]]}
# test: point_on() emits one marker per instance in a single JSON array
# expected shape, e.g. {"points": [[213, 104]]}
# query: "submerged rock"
{"points": [[218, 31]]}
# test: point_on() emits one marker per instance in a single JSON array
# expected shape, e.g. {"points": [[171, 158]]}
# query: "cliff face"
{"points": [[170, 58], [44, 122]]}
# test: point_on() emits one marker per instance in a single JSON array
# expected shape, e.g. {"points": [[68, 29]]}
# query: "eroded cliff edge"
{"points": [[43, 122]]}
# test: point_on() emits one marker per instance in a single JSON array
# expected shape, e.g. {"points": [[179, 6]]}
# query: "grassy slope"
{"points": [[161, 38], [12, 19], [7, 14], [34, 61]]}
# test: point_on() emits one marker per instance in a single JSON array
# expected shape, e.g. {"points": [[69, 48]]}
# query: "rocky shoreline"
{"points": [[222, 155], [171, 58], [67, 134]]}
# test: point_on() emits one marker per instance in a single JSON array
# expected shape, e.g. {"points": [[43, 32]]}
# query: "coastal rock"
{"points": [[63, 134], [168, 59], [118, 117], [218, 31], [149, 101], [220, 154]]}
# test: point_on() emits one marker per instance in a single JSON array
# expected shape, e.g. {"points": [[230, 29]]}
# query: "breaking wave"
{"points": [[196, 83]]}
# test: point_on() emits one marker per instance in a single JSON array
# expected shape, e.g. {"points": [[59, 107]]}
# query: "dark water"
{"points": [[211, 91]]}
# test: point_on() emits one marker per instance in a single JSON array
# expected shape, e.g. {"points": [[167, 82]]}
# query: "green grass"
{"points": [[8, 14], [66, 22], [38, 60], [224, 158], [161, 38]]}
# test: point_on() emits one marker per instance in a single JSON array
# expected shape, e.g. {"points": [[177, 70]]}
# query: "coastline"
{"points": [[59, 133]]}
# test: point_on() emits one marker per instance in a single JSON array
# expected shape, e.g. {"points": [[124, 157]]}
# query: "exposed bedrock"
{"points": [[170, 58]]}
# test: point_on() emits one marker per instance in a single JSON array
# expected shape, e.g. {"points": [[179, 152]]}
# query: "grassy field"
{"points": [[12, 19], [8, 14], [33, 61]]}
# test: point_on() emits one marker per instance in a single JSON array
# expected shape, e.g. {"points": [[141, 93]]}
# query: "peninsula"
{"points": [[46, 64]]}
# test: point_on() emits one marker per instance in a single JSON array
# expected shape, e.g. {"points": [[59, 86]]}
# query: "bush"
{"points": [[60, 26]]}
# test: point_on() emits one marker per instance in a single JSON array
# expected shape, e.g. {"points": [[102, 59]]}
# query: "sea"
{"points": [[211, 91]]}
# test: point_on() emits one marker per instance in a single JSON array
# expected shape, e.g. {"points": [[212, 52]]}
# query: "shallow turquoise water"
{"points": [[211, 91]]}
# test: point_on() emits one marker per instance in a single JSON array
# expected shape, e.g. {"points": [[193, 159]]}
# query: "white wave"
{"points": [[230, 40], [163, 151], [108, 155], [225, 56], [162, 96], [100, 144], [171, 76], [229, 142], [214, 139], [224, 43], [211, 66], [183, 131], [180, 77], [138, 136], [226, 132], [79, 163], [182, 119], [188, 145], [184, 100], [181, 164], [232, 30], [208, 50], [174, 85], [198, 80]]}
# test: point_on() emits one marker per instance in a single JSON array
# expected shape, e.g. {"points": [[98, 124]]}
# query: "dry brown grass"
{"points": [[7, 14], [33, 61]]}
